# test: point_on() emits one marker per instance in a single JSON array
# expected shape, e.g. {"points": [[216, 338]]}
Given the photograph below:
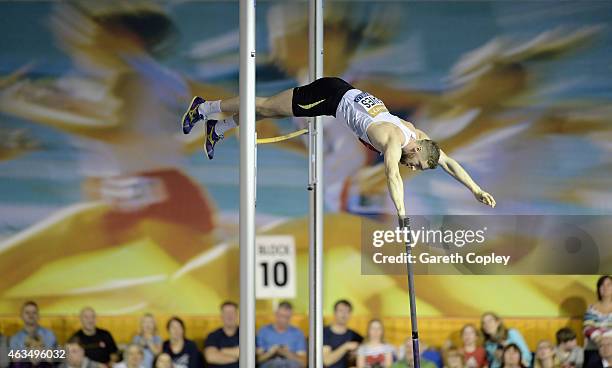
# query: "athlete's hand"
{"points": [[484, 197]]}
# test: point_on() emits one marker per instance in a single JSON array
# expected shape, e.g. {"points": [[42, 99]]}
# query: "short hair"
{"points": [[431, 151], [285, 305], [565, 334], [137, 346], [228, 303], [343, 302], [88, 308], [600, 282], [178, 320], [27, 303], [76, 341]]}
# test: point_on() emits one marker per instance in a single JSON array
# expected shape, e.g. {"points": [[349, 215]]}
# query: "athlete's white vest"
{"points": [[360, 110]]}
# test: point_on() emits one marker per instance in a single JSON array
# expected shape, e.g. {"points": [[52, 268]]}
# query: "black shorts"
{"points": [[320, 97]]}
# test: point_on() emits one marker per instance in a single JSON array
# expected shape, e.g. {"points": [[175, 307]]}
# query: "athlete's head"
{"points": [[424, 155]]}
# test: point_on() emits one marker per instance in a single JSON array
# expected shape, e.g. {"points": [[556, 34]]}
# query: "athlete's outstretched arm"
{"points": [[455, 170], [392, 156]]}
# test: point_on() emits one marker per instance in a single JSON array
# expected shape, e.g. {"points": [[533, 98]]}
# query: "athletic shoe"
{"points": [[211, 138], [192, 115]]}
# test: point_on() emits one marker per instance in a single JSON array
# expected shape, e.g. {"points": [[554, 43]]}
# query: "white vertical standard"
{"points": [[315, 169], [247, 183]]}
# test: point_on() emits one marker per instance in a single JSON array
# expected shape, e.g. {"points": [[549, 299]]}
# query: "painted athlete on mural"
{"points": [[91, 159]]}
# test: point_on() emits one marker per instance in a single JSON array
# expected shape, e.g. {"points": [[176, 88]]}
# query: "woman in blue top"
{"points": [[148, 339], [497, 336]]}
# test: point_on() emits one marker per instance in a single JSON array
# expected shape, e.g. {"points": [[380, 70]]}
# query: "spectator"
{"points": [[133, 357], [221, 346], [512, 357], [474, 355], [163, 360], [604, 358], [98, 343], [545, 356], [570, 355], [374, 352], [4, 361], [279, 344], [148, 339], [32, 335], [598, 318], [406, 358], [430, 353], [340, 343], [453, 358], [75, 356], [497, 337], [183, 352]]}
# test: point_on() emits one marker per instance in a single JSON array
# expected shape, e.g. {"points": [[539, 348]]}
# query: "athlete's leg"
{"points": [[277, 106], [320, 97]]}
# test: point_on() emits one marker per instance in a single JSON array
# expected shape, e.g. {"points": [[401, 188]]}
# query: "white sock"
{"points": [[225, 125], [210, 107]]}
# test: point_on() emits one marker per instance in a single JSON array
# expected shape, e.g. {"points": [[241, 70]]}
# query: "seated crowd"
{"points": [[280, 344]]}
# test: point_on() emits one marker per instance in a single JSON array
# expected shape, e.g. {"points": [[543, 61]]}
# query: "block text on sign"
{"points": [[275, 271]]}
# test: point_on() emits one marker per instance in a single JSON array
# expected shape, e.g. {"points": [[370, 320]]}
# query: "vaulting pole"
{"points": [[315, 269], [404, 223], [247, 183]]}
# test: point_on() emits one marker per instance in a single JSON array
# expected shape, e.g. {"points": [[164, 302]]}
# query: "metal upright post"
{"points": [[247, 183], [416, 355], [315, 269]]}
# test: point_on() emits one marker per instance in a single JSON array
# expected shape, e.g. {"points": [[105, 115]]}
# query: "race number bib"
{"points": [[372, 105]]}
